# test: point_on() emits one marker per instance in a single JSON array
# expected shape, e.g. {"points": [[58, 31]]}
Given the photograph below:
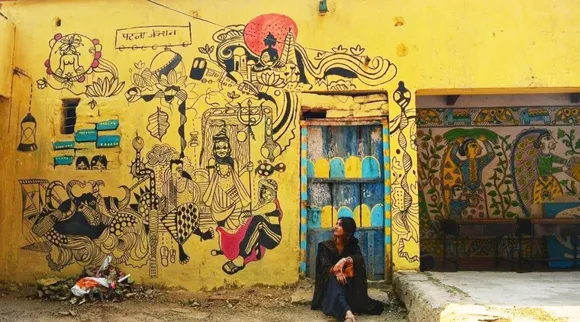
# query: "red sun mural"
{"points": [[257, 31]]}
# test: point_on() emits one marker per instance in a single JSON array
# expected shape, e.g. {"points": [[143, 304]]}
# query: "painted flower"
{"points": [[172, 79], [139, 65], [271, 79], [69, 43], [320, 55], [339, 49], [145, 80], [105, 87], [41, 83], [357, 51]]}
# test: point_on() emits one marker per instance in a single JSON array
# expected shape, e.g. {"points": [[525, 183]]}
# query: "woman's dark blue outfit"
{"points": [[334, 298]]}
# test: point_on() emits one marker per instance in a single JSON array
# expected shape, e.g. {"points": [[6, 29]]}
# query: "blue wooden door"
{"points": [[344, 178]]}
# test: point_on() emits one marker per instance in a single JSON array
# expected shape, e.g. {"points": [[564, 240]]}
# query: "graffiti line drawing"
{"points": [[260, 232], [165, 80], [158, 124], [404, 210], [27, 134], [73, 57], [28, 130], [162, 36], [86, 227], [266, 169], [239, 100]]}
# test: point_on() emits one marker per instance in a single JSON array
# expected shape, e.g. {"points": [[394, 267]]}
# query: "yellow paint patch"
{"points": [[401, 50], [365, 215], [321, 168], [326, 214], [398, 21], [353, 167]]}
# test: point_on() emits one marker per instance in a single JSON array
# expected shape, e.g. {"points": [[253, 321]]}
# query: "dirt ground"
{"points": [[19, 303]]}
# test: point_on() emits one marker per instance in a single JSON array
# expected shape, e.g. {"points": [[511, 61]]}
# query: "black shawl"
{"points": [[358, 299]]}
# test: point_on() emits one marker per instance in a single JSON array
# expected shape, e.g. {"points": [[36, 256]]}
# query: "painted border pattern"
{"points": [[387, 201], [498, 116], [303, 196]]}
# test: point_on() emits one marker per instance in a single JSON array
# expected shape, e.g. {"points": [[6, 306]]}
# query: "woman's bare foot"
{"points": [[349, 317]]}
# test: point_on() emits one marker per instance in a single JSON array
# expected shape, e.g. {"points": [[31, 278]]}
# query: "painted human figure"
{"points": [[260, 232], [270, 54], [467, 156], [179, 185], [226, 195], [69, 65], [458, 202], [546, 186]]}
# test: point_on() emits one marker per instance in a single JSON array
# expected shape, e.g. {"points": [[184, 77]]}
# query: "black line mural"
{"points": [[28, 130], [81, 227], [405, 210], [240, 95], [72, 59]]}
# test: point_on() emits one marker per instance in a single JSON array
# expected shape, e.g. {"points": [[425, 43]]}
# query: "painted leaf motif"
{"points": [[561, 133], [158, 124]]}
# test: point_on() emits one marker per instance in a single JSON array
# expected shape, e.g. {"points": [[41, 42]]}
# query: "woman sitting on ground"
{"points": [[341, 281]]}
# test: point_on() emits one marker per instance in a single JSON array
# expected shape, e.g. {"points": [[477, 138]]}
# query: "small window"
{"points": [[69, 115], [313, 114]]}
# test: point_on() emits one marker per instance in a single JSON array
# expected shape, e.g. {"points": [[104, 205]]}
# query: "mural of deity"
{"points": [[226, 195], [462, 169], [468, 157], [536, 165]]}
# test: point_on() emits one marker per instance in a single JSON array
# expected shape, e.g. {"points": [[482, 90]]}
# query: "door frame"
{"points": [[304, 124]]}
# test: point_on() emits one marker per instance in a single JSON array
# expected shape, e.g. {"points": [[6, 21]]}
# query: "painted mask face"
{"points": [[473, 150], [222, 149], [267, 195], [338, 230], [98, 166]]}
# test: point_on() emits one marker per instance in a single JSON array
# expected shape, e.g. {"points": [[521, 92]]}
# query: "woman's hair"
{"points": [[463, 146], [538, 141], [349, 228]]}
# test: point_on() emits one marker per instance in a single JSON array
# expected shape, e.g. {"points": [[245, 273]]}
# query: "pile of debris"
{"points": [[105, 283]]}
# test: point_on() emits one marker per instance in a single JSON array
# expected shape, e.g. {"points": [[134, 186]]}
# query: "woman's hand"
{"points": [[341, 278], [339, 266]]}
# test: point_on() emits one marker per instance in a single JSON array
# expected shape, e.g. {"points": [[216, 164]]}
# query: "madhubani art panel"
{"points": [[505, 169]]}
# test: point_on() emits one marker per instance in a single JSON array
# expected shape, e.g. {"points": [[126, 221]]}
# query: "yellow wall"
{"points": [[7, 40], [433, 45]]}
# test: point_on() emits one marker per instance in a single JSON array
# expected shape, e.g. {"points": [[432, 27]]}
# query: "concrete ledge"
{"points": [[489, 296]]}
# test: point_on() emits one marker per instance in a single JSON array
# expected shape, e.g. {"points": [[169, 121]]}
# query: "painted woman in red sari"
{"points": [[260, 232]]}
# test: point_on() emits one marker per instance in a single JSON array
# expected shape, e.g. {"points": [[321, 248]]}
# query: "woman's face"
{"points": [[473, 150], [222, 149], [338, 231], [266, 194], [548, 143]]}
